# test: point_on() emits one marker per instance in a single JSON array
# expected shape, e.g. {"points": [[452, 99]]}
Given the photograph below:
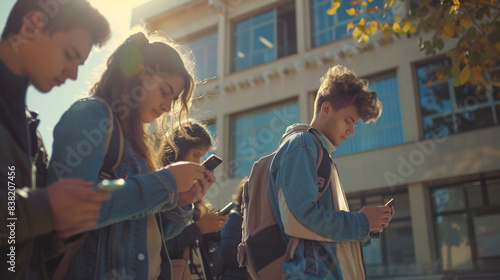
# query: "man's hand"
{"points": [[378, 216], [185, 174], [198, 189], [74, 206]]}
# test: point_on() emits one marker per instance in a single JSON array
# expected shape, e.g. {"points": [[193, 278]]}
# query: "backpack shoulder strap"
{"points": [[324, 166], [113, 147]]}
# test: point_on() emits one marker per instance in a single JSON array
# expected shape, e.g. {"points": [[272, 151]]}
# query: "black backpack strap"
{"points": [[324, 166], [113, 148]]}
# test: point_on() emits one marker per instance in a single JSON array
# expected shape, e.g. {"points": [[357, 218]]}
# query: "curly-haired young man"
{"points": [[335, 250]]}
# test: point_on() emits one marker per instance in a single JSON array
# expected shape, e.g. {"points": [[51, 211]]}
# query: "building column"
{"points": [[422, 228], [409, 112], [301, 17]]}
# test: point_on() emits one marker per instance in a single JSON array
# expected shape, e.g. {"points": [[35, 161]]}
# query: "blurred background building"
{"points": [[436, 148]]}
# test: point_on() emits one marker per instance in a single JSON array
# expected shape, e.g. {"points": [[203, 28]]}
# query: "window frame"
{"points": [[470, 213], [275, 9], [371, 200], [252, 113], [457, 113]]}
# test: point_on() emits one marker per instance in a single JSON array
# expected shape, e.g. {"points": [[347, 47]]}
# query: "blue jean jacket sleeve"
{"points": [[78, 152], [297, 175]]}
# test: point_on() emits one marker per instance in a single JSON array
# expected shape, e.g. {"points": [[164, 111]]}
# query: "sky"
{"points": [[53, 104]]}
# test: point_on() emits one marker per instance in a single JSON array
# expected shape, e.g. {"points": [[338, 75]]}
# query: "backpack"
{"points": [[263, 249]]}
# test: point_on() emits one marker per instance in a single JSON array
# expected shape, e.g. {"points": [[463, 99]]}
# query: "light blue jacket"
{"points": [[117, 248], [294, 172]]}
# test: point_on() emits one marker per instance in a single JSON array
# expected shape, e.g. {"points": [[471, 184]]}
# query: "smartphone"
{"points": [[226, 209], [212, 162], [390, 203], [111, 185]]}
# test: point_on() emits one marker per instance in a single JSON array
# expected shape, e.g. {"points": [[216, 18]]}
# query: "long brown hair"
{"points": [[121, 85]]}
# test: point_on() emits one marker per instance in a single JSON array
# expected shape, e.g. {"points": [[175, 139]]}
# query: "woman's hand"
{"points": [[211, 222], [186, 173], [193, 181]]}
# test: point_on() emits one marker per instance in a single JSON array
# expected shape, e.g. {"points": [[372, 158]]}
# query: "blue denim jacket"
{"points": [[294, 172], [117, 248]]}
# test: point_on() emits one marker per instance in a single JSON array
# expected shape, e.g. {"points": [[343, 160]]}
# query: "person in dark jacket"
{"points": [[226, 262], [202, 236], [42, 44]]}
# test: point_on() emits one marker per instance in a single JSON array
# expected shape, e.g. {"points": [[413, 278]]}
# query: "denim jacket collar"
{"points": [[326, 143]]}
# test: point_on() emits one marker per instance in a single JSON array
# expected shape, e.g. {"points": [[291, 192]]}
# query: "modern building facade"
{"points": [[436, 148]]}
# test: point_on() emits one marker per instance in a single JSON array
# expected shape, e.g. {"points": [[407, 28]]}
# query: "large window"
{"points": [[388, 130], [446, 109], [467, 225], [205, 53], [328, 28], [393, 253], [256, 134], [265, 37]]}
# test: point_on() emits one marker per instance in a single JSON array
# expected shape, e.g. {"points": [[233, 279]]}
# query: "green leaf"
{"points": [[475, 58], [481, 12], [456, 80], [485, 56], [471, 33], [494, 36], [438, 43], [446, 70]]}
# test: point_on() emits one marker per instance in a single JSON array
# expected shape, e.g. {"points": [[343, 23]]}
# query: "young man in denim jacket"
{"points": [[42, 44], [335, 251]]}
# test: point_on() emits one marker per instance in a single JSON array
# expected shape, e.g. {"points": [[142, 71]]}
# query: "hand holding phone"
{"points": [[226, 209], [212, 162]]}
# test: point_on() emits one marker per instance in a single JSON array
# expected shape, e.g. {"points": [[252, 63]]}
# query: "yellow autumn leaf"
{"points": [[478, 72], [453, 9], [406, 26], [390, 4], [466, 21], [385, 26], [464, 75], [356, 33], [350, 26], [443, 78], [364, 4], [364, 38], [370, 1], [396, 27], [413, 29], [351, 11], [450, 29], [445, 36], [333, 8], [362, 22], [456, 2], [373, 28]]}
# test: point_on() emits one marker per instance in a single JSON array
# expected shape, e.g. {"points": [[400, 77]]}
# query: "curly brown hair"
{"points": [[341, 87]]}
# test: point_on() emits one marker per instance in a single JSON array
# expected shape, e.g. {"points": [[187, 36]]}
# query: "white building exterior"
{"points": [[437, 151]]}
